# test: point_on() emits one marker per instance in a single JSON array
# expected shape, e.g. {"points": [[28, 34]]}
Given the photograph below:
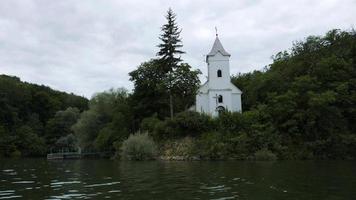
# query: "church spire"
{"points": [[217, 47]]}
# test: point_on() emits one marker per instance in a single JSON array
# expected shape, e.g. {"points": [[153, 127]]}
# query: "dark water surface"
{"points": [[105, 179]]}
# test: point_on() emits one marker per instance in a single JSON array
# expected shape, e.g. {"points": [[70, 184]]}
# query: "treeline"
{"points": [[28, 116], [302, 106], [163, 86], [307, 98]]}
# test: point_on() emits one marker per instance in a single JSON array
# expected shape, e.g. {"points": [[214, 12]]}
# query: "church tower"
{"points": [[218, 61], [218, 93]]}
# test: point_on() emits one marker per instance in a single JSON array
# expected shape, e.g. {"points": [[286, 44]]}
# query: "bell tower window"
{"points": [[220, 99], [219, 73]]}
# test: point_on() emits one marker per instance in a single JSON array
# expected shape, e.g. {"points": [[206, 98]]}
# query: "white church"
{"points": [[218, 93]]}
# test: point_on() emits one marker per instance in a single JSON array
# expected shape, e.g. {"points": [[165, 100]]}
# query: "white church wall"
{"points": [[215, 63], [236, 102], [202, 103], [213, 103], [206, 99]]}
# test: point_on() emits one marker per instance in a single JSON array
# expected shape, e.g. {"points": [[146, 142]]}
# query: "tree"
{"points": [[87, 128], [109, 119], [60, 125], [184, 86], [310, 95], [169, 52], [150, 94], [68, 141], [28, 142], [26, 110], [7, 142]]}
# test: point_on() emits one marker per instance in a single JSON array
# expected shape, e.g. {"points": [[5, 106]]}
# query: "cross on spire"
{"points": [[216, 31]]}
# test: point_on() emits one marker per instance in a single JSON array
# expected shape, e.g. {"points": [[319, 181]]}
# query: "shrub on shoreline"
{"points": [[264, 155], [184, 148], [138, 147]]}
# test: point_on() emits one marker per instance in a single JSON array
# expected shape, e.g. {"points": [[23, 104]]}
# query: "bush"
{"points": [[264, 154], [186, 123], [138, 147], [212, 146], [28, 142], [184, 148], [149, 123], [105, 139], [153, 125], [230, 122], [16, 154]]}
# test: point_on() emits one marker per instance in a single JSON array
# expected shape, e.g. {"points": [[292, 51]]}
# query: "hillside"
{"points": [[308, 96], [25, 110]]}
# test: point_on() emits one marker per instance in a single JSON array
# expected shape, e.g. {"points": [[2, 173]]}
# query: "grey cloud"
{"points": [[89, 46]]}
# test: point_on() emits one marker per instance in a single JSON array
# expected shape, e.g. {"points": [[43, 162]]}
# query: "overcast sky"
{"points": [[90, 46]]}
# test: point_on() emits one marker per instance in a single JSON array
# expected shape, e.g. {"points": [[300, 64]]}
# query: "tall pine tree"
{"points": [[169, 52]]}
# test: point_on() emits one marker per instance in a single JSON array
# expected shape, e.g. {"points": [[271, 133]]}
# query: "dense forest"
{"points": [[29, 116], [302, 106], [307, 97]]}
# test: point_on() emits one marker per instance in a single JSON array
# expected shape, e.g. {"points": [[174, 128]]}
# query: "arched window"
{"points": [[219, 73], [220, 99], [220, 109]]}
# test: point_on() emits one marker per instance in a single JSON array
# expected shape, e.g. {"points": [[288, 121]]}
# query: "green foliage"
{"points": [[302, 106], [29, 143], [138, 147], [105, 139], [309, 94], [108, 119], [170, 55], [87, 128], [212, 146], [28, 120], [60, 125], [186, 123], [171, 42], [22, 142], [182, 149], [150, 94], [173, 82], [7, 143], [69, 142], [264, 154], [19, 100], [230, 122], [184, 86], [153, 126], [148, 124]]}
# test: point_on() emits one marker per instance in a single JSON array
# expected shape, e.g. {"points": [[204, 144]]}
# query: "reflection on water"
{"points": [[105, 179]]}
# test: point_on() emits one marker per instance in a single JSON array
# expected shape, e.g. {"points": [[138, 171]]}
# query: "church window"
{"points": [[220, 99], [220, 109], [219, 73]]}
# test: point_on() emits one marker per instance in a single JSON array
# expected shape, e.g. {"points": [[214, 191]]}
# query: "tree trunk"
{"points": [[171, 104]]}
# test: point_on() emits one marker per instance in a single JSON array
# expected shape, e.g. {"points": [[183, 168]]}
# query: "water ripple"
{"points": [[64, 183], [102, 184], [23, 182]]}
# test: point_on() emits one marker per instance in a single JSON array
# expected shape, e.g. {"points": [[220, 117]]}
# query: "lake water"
{"points": [[106, 179]]}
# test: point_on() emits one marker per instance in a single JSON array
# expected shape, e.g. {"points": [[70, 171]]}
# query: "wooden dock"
{"points": [[65, 155], [77, 155]]}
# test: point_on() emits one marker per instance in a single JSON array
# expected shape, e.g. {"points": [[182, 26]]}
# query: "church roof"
{"points": [[217, 47], [204, 89]]}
